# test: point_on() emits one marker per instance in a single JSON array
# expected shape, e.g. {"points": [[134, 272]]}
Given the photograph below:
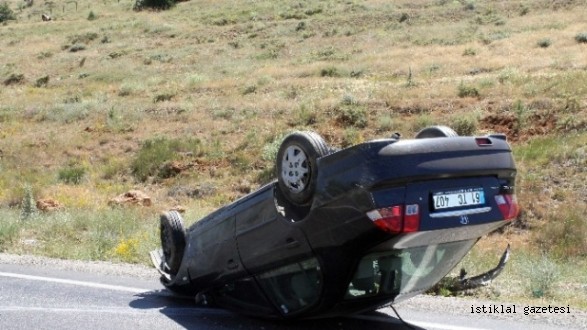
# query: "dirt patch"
{"points": [[541, 124], [505, 123], [133, 197], [537, 124]]}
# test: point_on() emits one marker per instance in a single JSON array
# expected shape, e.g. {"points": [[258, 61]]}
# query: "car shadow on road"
{"points": [[189, 315]]}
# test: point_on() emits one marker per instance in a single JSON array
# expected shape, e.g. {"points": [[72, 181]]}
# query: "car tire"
{"points": [[173, 240], [296, 164], [436, 132]]}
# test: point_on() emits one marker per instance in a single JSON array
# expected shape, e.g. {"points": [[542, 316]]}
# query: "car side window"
{"points": [[294, 287]]}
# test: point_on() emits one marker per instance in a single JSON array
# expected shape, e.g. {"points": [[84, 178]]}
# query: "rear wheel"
{"points": [[173, 240], [297, 169], [435, 132]]}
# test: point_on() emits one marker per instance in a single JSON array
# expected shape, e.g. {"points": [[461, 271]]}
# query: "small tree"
{"points": [[153, 4], [6, 13]]}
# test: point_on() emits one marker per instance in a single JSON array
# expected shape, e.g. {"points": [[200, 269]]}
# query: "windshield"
{"points": [[399, 272]]}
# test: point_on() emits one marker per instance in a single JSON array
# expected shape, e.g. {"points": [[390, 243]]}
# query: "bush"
{"points": [[470, 52], [351, 136], [85, 38], [72, 174], [42, 82], [581, 37], [465, 125], [163, 97], [77, 48], [153, 4], [330, 72], [541, 276], [351, 114], [385, 123], [157, 152], [544, 43], [6, 14], [14, 79], [28, 207], [468, 91]]}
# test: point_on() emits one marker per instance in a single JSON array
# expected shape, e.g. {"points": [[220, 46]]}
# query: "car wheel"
{"points": [[296, 165], [435, 132], [173, 240]]}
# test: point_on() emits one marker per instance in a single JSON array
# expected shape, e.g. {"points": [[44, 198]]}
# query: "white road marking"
{"points": [[78, 283], [425, 325]]}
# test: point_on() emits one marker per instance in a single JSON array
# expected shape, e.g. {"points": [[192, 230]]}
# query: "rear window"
{"points": [[411, 270], [294, 287]]}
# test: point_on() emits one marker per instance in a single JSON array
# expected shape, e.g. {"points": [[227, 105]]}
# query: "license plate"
{"points": [[458, 198]]}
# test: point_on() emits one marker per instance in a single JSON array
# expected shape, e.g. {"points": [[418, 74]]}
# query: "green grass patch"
{"points": [[112, 234]]}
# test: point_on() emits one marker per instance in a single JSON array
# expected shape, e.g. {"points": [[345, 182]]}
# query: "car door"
{"points": [[265, 239]]}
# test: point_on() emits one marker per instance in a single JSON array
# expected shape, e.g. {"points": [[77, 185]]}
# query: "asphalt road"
{"points": [[47, 296]]}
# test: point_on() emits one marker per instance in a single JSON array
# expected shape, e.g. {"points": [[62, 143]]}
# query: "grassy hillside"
{"points": [[189, 105]]}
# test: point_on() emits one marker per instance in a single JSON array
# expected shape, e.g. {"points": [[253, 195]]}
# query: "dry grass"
{"points": [[237, 77]]}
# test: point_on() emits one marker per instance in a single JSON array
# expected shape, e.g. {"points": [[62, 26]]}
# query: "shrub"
{"points": [[156, 152], [271, 147], [301, 26], [163, 97], [544, 43], [72, 174], [385, 123], [153, 4], [251, 89], [42, 82], [306, 115], [465, 125], [82, 38], [422, 121], [581, 37], [350, 113], [77, 47], [469, 52], [127, 250], [14, 79], [91, 16], [6, 14], [468, 91], [28, 206], [541, 275], [330, 72], [351, 136]]}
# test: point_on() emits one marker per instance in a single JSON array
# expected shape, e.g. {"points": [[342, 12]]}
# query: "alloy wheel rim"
{"points": [[295, 169]]}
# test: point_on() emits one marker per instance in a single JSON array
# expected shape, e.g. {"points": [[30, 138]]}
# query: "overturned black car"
{"points": [[345, 231]]}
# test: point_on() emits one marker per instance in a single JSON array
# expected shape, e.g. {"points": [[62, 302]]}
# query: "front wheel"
{"points": [[435, 132], [297, 168], [173, 240]]}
